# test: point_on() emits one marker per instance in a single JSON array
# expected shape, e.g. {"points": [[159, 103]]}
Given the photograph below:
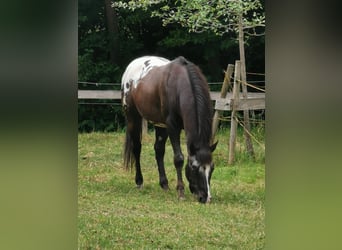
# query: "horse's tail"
{"points": [[128, 151], [131, 135]]}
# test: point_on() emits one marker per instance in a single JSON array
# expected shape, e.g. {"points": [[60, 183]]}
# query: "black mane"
{"points": [[203, 107]]}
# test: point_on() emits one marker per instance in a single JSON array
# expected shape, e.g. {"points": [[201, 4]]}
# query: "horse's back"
{"points": [[137, 69]]}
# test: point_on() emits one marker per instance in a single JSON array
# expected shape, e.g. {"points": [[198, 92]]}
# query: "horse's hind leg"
{"points": [[136, 151], [159, 148], [134, 129]]}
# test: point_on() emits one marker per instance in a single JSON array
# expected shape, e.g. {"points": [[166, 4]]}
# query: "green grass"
{"points": [[113, 214]]}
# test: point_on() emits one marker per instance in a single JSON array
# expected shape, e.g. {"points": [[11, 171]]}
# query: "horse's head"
{"points": [[199, 169]]}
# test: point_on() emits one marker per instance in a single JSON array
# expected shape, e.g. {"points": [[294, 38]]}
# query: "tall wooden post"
{"points": [[248, 139], [234, 102], [226, 82]]}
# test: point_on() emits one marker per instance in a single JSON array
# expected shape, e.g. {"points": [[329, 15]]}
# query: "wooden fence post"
{"points": [[234, 102], [225, 85], [247, 126]]}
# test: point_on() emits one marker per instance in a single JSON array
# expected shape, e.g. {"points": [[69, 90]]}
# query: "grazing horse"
{"points": [[173, 95]]}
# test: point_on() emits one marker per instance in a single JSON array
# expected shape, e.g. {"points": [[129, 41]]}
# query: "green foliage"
{"points": [[112, 213], [198, 16], [94, 45], [95, 71], [140, 34], [180, 37], [107, 118]]}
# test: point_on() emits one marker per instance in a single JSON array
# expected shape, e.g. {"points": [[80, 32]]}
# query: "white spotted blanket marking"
{"points": [[136, 70]]}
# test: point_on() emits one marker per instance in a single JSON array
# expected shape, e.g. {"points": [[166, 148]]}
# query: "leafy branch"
{"points": [[220, 17]]}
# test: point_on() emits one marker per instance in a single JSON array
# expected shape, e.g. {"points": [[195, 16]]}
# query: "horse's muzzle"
{"points": [[203, 199]]}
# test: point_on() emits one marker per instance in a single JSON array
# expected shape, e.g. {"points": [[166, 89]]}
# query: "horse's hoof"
{"points": [[180, 193], [165, 187], [140, 186], [181, 198]]}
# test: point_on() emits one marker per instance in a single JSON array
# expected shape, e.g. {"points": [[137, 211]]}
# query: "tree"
{"points": [[219, 16], [139, 34], [113, 32]]}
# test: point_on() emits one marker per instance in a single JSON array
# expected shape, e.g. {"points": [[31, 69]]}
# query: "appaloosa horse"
{"points": [[173, 95]]}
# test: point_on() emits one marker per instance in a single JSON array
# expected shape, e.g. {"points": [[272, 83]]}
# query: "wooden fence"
{"points": [[254, 101]]}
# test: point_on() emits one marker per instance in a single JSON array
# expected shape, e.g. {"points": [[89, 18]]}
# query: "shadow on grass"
{"points": [[126, 188], [228, 186]]}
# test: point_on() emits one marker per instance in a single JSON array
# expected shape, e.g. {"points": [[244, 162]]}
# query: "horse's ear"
{"points": [[213, 147]]}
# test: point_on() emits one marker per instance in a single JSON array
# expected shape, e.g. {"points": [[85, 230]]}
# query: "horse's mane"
{"points": [[203, 106]]}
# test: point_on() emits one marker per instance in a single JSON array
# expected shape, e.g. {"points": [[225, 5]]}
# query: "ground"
{"points": [[114, 214]]}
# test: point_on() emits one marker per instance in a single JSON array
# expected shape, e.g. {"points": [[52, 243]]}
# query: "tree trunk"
{"points": [[248, 138], [113, 32]]}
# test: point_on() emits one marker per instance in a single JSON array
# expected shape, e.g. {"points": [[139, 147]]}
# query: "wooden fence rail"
{"points": [[254, 101]]}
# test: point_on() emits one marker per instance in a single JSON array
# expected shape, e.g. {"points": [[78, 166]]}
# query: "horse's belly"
{"points": [[151, 113], [148, 101]]}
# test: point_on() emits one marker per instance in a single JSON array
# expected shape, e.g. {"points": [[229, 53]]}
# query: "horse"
{"points": [[172, 95]]}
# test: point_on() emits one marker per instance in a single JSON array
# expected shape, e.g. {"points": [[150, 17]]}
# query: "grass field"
{"points": [[114, 214]]}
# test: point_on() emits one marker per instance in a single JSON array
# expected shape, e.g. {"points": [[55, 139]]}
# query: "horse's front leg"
{"points": [[178, 160], [159, 148]]}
